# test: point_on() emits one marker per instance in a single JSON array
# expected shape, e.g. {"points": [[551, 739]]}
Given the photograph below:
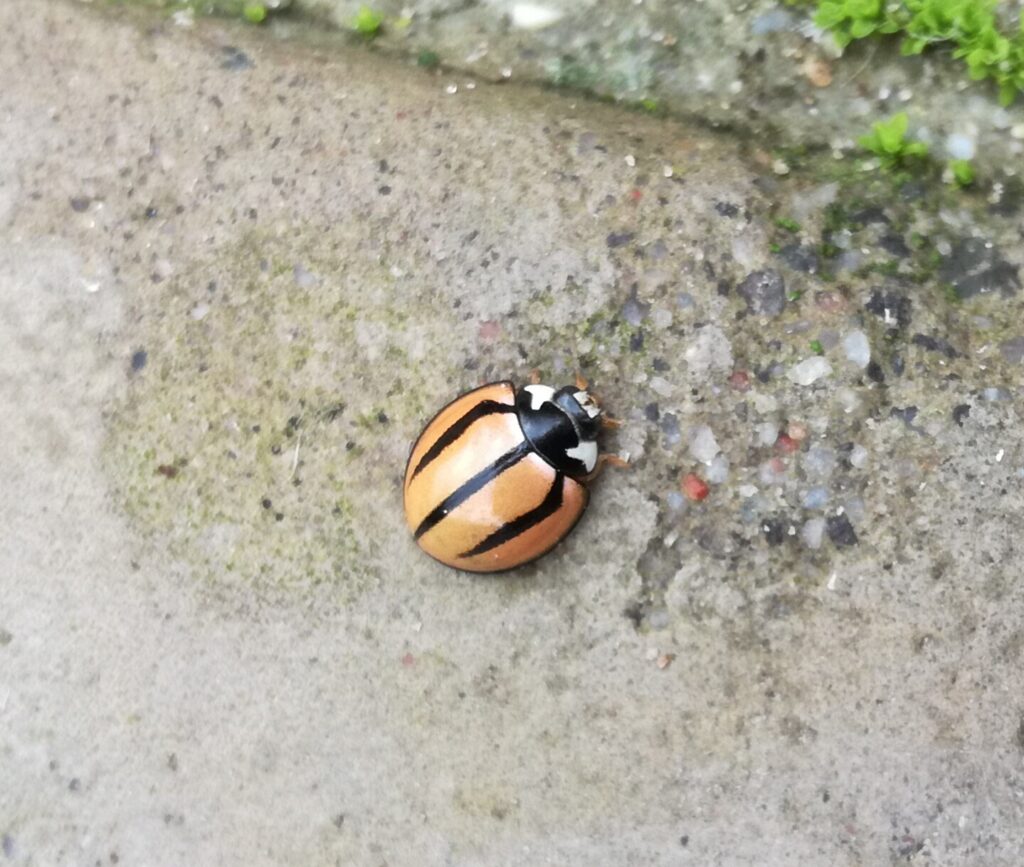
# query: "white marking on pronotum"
{"points": [[540, 395], [585, 452], [587, 402]]}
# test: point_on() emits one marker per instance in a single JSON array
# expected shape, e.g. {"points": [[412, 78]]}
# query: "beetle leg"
{"points": [[607, 459], [611, 422], [535, 376], [581, 381]]}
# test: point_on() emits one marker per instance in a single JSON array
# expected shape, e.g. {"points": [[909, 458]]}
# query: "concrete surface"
{"points": [[236, 275], [760, 66]]}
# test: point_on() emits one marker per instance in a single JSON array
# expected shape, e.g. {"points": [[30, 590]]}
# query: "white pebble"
{"points": [[703, 446], [747, 491], [630, 160], [533, 16], [767, 433], [819, 461], [859, 457], [813, 532], [199, 311], [661, 386], [857, 348], [810, 370], [960, 147], [718, 470]]}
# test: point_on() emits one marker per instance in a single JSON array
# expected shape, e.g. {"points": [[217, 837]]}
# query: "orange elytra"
{"points": [[498, 477]]}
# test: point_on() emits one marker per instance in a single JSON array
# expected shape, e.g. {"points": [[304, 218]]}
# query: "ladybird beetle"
{"points": [[498, 477]]}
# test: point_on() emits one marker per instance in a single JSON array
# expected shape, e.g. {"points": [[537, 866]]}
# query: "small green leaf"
{"points": [[254, 13], [367, 21], [963, 172], [817, 348]]}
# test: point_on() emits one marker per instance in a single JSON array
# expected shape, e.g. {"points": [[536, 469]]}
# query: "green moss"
{"points": [[429, 59], [971, 27]]}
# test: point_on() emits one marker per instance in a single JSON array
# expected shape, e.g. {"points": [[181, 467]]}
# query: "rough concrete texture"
{"points": [[237, 275], [757, 65]]}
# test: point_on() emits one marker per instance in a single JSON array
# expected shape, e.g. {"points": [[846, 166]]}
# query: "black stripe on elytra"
{"points": [[551, 503], [466, 490], [458, 428]]}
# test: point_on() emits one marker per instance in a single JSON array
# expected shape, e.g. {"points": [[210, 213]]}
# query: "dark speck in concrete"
{"points": [[384, 190], [636, 341], [235, 60], [382, 417], [895, 245], [139, 359], [80, 204], [5, 637], [652, 412], [905, 414], [618, 239], [841, 531], [800, 257], [726, 209], [892, 307], [7, 845], [976, 267], [961, 412], [1012, 350], [774, 530], [934, 344], [764, 292]]}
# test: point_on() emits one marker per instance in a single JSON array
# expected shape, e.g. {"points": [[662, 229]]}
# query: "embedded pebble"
{"points": [[710, 351], [764, 292], [960, 147], [840, 531], [718, 470], [534, 16], [854, 509], [661, 386], [816, 498], [635, 311], [857, 348], [858, 457], [772, 472], [303, 278], [703, 446], [813, 532], [767, 433], [819, 461], [810, 370], [1013, 350], [670, 428]]}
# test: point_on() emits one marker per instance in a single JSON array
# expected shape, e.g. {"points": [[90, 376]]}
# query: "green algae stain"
{"points": [[263, 443]]}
